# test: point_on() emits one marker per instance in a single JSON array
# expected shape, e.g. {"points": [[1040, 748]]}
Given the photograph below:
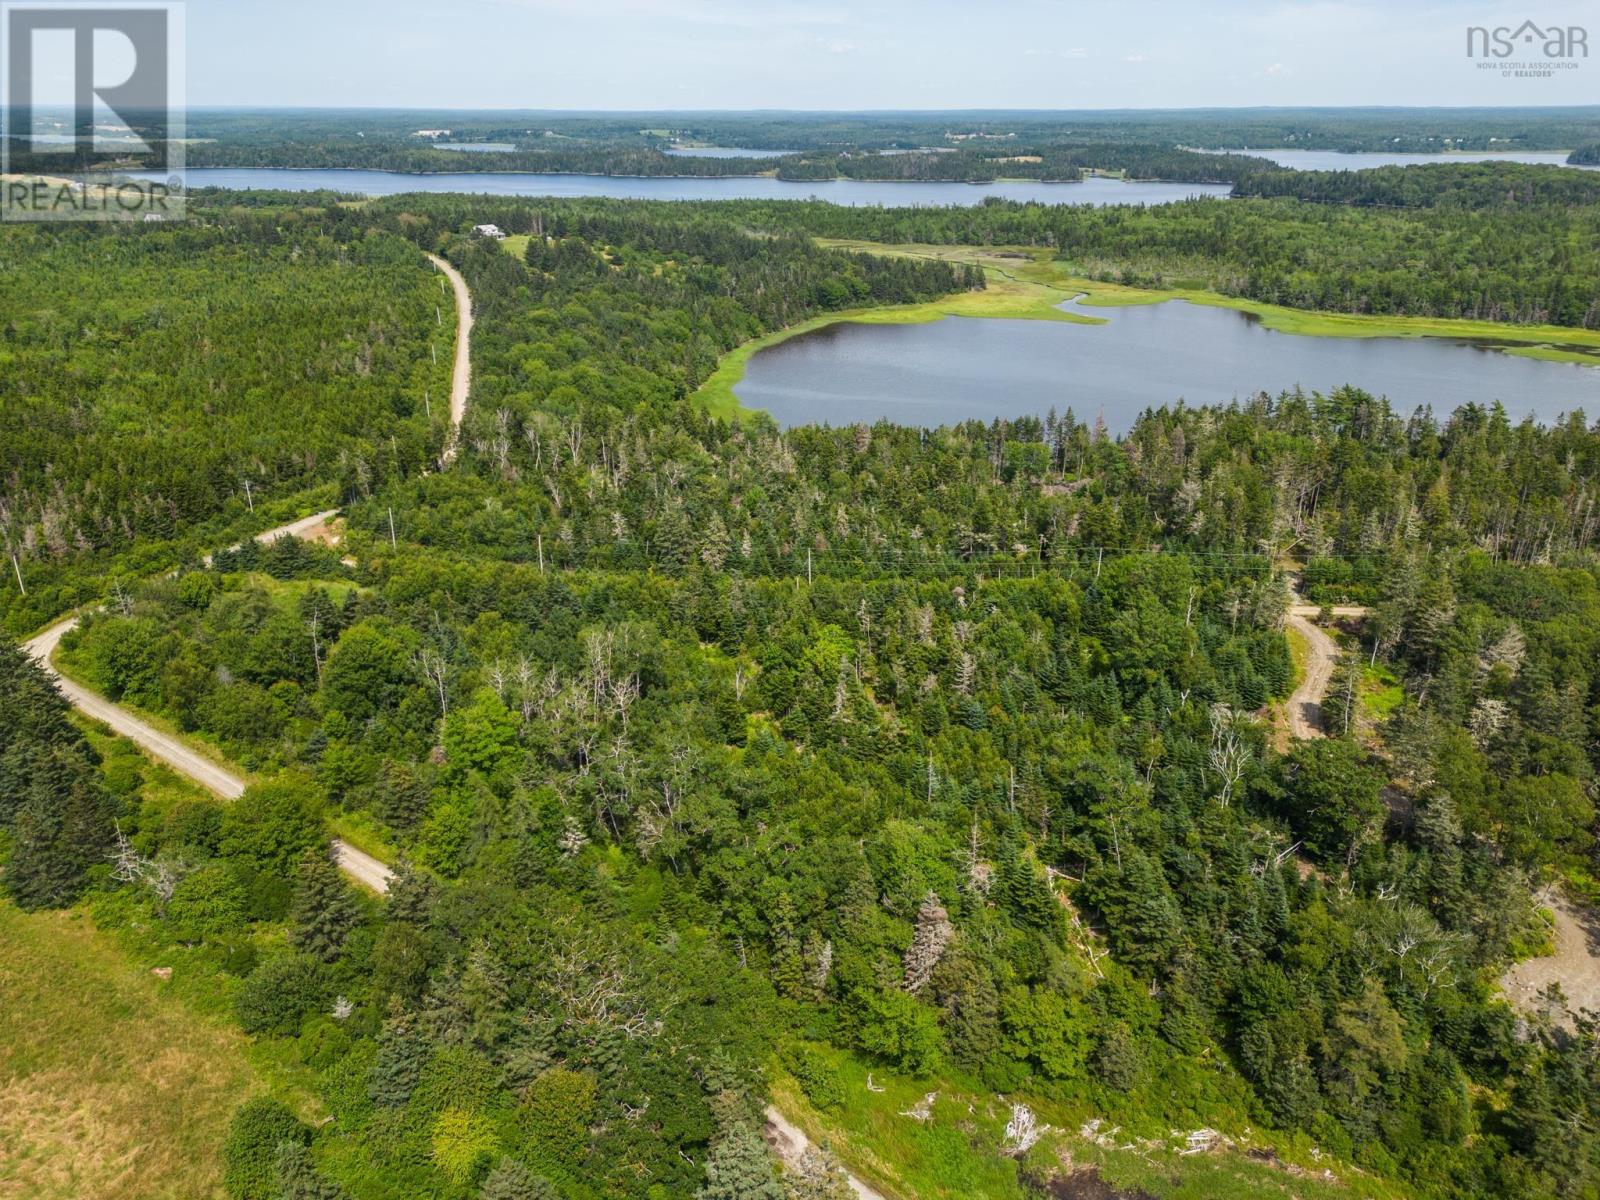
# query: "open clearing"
{"points": [[1575, 965], [109, 1086]]}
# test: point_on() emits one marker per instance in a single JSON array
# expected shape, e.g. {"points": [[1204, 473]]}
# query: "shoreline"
{"points": [[1011, 297], [773, 175]]}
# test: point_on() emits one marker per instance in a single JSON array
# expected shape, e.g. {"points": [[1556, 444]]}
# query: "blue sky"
{"points": [[854, 54]]}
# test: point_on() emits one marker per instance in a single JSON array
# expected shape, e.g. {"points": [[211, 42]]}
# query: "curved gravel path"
{"points": [[179, 755], [176, 753], [461, 379], [1304, 707]]}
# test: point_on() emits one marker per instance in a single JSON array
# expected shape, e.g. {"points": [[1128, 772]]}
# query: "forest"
{"points": [[1184, 146], [1407, 130], [156, 381], [1470, 186], [1050, 162], [1525, 263], [716, 759]]}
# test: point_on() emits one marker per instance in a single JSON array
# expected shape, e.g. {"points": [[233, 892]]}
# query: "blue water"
{"points": [[725, 152], [1337, 160], [1142, 357], [854, 192], [477, 147]]}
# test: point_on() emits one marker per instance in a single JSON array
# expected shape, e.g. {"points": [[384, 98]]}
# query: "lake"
{"points": [[1145, 356], [837, 191], [724, 152], [1338, 160], [477, 147]]}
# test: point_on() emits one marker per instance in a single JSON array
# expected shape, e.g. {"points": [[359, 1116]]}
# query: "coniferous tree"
{"points": [[63, 824], [788, 964], [509, 1179], [402, 1053], [324, 911], [739, 1167], [299, 1178]]}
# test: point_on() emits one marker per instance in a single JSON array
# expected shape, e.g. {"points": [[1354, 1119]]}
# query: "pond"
{"points": [[856, 192], [1145, 356]]}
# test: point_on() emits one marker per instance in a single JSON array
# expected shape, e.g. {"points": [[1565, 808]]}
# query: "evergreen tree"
{"points": [[402, 1053], [299, 1178], [324, 910], [258, 1131], [62, 824], [788, 964], [509, 1179], [739, 1167]]}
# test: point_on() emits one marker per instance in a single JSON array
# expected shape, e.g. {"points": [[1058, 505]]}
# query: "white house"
{"points": [[432, 133], [490, 231]]}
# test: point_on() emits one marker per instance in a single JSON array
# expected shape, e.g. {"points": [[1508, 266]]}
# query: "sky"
{"points": [[865, 54]]}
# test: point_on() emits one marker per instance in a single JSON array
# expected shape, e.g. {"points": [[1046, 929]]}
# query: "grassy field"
{"points": [[110, 1085]]}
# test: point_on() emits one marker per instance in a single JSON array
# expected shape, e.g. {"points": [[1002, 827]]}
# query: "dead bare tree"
{"points": [[1229, 754], [437, 673]]}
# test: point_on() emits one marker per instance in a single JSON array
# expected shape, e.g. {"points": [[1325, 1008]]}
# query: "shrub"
{"points": [[279, 993], [273, 825], [462, 1142], [250, 1154], [208, 903], [819, 1079], [555, 1115]]}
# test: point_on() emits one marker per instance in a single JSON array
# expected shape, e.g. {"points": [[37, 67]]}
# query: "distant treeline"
{"points": [[1585, 156], [976, 165], [1456, 185], [1389, 129]]}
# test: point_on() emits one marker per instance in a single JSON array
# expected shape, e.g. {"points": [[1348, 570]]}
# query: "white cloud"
{"points": [[1277, 69], [1135, 58]]}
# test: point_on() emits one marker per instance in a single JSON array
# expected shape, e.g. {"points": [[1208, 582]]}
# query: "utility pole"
{"points": [[427, 405], [248, 498], [541, 553], [17, 567], [391, 528], [808, 568], [316, 644]]}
